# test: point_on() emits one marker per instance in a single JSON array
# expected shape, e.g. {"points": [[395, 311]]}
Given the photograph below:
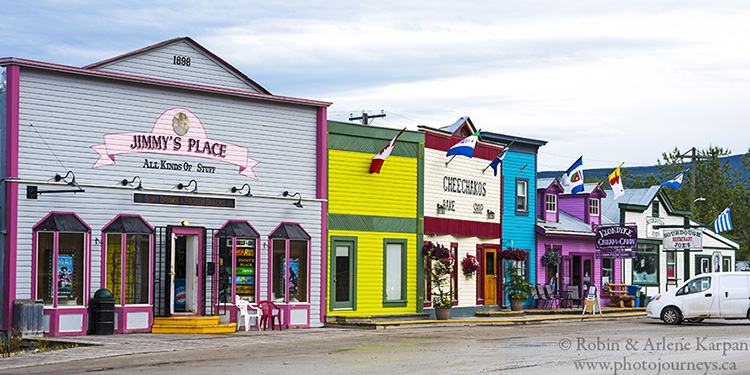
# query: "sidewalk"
{"points": [[140, 343]]}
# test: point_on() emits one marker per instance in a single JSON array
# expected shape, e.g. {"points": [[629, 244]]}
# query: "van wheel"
{"points": [[694, 320], [671, 315]]}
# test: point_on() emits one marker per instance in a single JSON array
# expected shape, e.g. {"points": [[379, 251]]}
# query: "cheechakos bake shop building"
{"points": [[166, 176]]}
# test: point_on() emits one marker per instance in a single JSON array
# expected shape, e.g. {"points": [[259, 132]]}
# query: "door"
{"points": [[185, 270], [733, 295], [697, 297], [490, 276], [342, 275]]}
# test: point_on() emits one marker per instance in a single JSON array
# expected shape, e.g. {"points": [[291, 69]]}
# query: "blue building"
{"points": [[519, 169]]}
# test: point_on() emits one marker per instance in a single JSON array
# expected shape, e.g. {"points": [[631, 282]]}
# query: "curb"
{"points": [[480, 321]]}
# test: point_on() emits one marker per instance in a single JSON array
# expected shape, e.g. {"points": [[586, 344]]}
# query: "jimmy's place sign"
{"points": [[683, 238], [612, 237]]}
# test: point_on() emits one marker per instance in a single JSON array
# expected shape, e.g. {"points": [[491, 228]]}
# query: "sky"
{"points": [[613, 81]]}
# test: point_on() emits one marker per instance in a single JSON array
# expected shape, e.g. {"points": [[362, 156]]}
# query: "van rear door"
{"points": [[734, 294]]}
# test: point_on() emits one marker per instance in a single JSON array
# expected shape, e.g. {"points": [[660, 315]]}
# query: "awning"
{"points": [[290, 231], [61, 222], [128, 224], [237, 228]]}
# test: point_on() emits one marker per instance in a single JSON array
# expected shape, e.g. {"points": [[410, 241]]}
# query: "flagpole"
{"points": [[717, 216], [451, 159], [501, 153]]}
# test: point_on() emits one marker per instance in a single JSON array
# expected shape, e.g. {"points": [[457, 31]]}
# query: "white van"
{"points": [[721, 295]]}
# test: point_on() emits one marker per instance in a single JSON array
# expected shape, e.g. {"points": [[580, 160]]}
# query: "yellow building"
{"points": [[374, 258]]}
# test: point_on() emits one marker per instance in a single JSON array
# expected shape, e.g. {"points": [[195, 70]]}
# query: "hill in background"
{"points": [[600, 174]]}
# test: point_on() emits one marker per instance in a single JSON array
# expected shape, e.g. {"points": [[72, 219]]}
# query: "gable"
{"points": [[181, 60]]}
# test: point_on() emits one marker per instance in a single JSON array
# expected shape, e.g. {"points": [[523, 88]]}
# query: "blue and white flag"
{"points": [[674, 183], [465, 147], [723, 222], [573, 177], [497, 161]]}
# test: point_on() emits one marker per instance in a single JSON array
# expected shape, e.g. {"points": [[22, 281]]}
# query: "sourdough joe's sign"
{"points": [[176, 132]]}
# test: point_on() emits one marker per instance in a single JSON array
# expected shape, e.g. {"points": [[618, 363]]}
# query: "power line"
{"points": [[366, 117]]}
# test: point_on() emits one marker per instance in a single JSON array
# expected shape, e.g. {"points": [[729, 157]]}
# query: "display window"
{"points": [[127, 259], [290, 268], [394, 272], [61, 255], [646, 265], [237, 262]]}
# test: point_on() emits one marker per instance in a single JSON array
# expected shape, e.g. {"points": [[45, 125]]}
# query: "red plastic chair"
{"points": [[268, 308]]}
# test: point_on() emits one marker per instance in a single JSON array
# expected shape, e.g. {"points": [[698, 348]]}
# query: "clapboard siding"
{"points": [[518, 230], [463, 168], [369, 282], [353, 190], [159, 63], [71, 114]]}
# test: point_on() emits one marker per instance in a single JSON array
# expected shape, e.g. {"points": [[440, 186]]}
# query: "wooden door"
{"points": [[490, 276]]}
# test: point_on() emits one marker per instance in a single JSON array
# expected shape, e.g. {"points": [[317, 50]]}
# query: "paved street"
{"points": [[626, 345]]}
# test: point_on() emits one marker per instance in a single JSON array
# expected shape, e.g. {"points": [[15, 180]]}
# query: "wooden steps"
{"points": [[191, 324]]}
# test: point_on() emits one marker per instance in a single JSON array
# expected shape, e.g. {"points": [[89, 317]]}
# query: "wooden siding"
{"points": [[467, 288], [369, 282], [159, 63], [352, 189], [463, 168], [70, 114], [518, 230]]}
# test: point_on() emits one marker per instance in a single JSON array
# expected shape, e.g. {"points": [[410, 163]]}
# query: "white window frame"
{"points": [[550, 203], [593, 207]]}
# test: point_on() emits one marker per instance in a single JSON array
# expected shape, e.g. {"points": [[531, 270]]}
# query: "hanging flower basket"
{"points": [[513, 254], [435, 251], [469, 265], [551, 258]]}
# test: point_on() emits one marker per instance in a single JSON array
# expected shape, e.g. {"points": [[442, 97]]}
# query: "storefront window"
{"points": [[607, 275], [645, 267], [60, 268], [290, 271], [136, 267], [394, 272], [243, 273]]}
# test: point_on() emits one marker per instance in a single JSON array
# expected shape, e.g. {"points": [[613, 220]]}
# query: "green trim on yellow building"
{"points": [[374, 222]]}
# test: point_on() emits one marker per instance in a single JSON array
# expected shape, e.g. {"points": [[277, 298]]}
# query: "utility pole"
{"points": [[693, 156], [365, 118]]}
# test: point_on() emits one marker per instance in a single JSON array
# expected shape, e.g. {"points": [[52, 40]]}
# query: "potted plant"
{"points": [[516, 287], [442, 266]]}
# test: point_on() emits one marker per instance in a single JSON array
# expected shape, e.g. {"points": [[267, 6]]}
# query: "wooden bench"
{"points": [[619, 297]]}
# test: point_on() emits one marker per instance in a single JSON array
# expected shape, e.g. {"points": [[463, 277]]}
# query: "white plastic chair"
{"points": [[247, 310]]}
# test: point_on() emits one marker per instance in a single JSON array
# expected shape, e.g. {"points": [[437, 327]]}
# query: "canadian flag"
{"points": [[377, 160]]}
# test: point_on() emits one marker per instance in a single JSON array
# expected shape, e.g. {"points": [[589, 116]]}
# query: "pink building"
{"points": [[565, 224]]}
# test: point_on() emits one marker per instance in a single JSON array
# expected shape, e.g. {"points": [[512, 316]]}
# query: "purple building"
{"points": [[565, 225]]}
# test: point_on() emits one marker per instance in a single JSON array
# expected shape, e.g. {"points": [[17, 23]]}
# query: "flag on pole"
{"points": [[497, 161], [377, 160], [465, 147], [615, 181], [674, 183], [573, 177], [723, 222]]}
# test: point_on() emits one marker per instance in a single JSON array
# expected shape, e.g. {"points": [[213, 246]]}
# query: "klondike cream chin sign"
{"points": [[176, 132]]}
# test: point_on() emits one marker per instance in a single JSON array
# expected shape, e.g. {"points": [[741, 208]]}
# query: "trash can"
{"points": [[102, 313], [28, 317], [635, 291]]}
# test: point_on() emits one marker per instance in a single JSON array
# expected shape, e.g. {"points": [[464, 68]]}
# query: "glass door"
{"points": [[342, 275]]}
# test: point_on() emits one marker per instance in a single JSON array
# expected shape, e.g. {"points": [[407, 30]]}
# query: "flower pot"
{"points": [[442, 313], [516, 304]]}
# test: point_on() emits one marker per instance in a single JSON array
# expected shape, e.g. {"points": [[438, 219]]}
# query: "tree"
{"points": [[718, 184]]}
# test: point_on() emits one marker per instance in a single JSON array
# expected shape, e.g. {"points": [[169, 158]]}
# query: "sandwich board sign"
{"points": [[592, 302]]}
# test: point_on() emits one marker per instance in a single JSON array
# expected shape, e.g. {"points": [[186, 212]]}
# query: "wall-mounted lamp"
{"points": [[299, 202], [490, 214], [72, 182], [249, 191], [441, 209], [125, 182], [183, 186], [185, 223]]}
